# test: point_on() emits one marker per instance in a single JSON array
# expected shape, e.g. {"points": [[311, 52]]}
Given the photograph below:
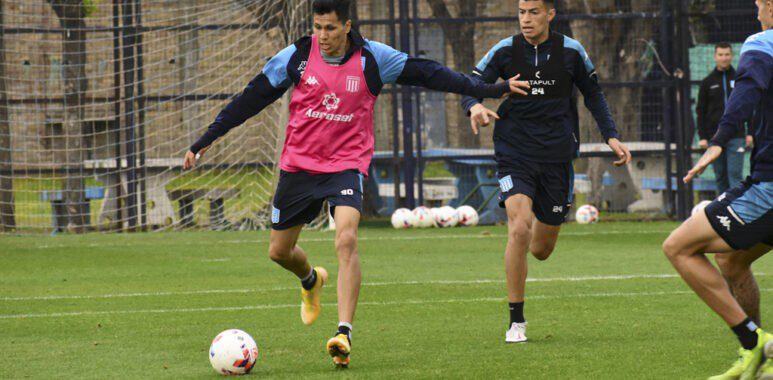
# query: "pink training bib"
{"points": [[331, 118]]}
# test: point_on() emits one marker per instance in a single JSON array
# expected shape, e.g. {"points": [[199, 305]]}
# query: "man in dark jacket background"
{"points": [[714, 92]]}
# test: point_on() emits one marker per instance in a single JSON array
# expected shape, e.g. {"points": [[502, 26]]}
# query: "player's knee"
{"points": [[518, 229], [672, 248], [277, 253], [542, 251], [346, 243]]}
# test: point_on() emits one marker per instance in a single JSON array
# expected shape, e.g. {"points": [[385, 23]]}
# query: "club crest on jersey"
{"points": [[352, 84], [331, 101]]}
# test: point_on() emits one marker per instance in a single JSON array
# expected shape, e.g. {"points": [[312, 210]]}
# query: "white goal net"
{"points": [[100, 99]]}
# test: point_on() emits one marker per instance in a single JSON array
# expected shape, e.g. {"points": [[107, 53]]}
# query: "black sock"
{"points": [[310, 280], [516, 313], [746, 332], [346, 331]]}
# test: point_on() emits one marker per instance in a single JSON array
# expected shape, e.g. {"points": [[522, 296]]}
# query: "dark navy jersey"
{"points": [[753, 90], [543, 128], [381, 64]]}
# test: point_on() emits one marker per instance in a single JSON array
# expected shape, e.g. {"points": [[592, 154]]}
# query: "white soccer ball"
{"points": [[468, 217], [699, 207], [587, 214], [423, 217], [434, 212], [403, 218], [446, 217], [233, 352]]}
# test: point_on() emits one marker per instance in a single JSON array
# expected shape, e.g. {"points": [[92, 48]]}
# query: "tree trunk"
{"points": [[461, 36], [616, 55], [71, 18], [7, 215]]}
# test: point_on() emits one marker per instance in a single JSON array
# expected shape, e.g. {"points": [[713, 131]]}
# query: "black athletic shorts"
{"points": [[743, 216], [549, 185], [299, 196]]}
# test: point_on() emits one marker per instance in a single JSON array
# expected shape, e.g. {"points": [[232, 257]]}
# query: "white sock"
{"points": [[347, 325]]}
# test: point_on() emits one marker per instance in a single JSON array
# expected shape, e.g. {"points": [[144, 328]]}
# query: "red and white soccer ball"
{"points": [[467, 215], [423, 217], [233, 352], [587, 214], [446, 217], [434, 212], [403, 218]]}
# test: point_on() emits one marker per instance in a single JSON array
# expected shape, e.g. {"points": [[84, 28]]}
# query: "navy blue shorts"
{"points": [[743, 216], [549, 185], [299, 196]]}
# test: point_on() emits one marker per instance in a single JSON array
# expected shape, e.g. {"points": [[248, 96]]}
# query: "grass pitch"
{"points": [[607, 305]]}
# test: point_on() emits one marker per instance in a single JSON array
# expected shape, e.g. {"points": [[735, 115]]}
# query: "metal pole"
{"points": [[666, 36], [417, 106], [685, 109], [117, 106], [407, 105], [141, 108], [128, 31], [395, 114]]}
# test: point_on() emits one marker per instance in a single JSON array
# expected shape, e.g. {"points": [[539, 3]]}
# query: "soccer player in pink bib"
{"points": [[336, 75]]}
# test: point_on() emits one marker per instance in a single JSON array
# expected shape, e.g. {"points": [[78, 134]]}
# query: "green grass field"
{"points": [[607, 305]]}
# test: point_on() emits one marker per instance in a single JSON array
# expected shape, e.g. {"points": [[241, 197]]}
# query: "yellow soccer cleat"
{"points": [[339, 348], [748, 364], [766, 372], [310, 303], [735, 372]]}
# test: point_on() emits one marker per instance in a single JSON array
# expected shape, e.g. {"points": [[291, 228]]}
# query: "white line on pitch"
{"points": [[361, 238], [391, 283], [385, 303]]}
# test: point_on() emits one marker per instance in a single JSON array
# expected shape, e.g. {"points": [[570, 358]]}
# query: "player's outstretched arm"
{"points": [[434, 76], [264, 89]]}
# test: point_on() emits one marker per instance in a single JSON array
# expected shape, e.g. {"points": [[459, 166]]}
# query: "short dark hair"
{"points": [[548, 3], [340, 7], [723, 45]]}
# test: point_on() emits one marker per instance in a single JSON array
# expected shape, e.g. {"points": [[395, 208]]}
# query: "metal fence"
{"points": [[649, 56], [100, 99]]}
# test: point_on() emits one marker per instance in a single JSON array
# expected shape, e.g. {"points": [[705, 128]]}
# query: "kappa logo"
{"points": [[331, 101], [312, 81], [725, 221], [538, 74]]}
